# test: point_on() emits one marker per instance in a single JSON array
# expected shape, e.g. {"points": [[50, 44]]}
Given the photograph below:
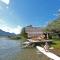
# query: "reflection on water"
{"points": [[11, 50], [8, 48], [30, 54]]}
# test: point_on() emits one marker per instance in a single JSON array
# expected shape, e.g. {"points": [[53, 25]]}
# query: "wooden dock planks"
{"points": [[49, 54]]}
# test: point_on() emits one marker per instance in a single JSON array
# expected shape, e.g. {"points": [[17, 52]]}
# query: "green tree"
{"points": [[54, 27], [23, 33]]}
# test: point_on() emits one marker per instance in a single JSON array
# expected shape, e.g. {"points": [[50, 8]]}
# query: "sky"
{"points": [[16, 14]]}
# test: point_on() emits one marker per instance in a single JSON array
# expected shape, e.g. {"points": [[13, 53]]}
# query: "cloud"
{"points": [[4, 4], [58, 10], [15, 30], [58, 13], [5, 27], [6, 1]]}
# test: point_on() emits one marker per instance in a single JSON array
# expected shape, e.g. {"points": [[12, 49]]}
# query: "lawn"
{"points": [[56, 43]]}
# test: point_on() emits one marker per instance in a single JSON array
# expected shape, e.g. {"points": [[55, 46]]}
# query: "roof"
{"points": [[33, 29]]}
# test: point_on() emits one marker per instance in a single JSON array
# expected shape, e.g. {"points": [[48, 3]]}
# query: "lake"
{"points": [[12, 50]]}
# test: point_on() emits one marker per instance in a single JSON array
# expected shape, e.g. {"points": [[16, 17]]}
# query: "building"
{"points": [[35, 33]]}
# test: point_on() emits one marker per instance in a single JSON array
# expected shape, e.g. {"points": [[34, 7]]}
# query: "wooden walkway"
{"points": [[37, 41], [49, 54]]}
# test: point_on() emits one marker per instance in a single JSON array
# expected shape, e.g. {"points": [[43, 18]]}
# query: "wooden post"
{"points": [[47, 36]]}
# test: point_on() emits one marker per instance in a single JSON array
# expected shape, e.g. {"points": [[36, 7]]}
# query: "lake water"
{"points": [[12, 50]]}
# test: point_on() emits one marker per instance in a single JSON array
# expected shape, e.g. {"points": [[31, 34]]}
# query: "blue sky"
{"points": [[19, 13]]}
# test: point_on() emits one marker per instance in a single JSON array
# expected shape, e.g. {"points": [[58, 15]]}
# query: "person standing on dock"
{"points": [[46, 47]]}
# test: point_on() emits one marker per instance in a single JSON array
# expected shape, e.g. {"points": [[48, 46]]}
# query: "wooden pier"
{"points": [[34, 43], [38, 41], [48, 54]]}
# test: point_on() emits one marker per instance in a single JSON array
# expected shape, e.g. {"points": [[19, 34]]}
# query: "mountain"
{"points": [[3, 33]]}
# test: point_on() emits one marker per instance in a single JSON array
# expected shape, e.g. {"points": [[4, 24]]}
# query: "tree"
{"points": [[23, 33], [54, 27]]}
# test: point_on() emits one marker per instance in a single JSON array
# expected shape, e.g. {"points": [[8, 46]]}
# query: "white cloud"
{"points": [[6, 1], [15, 30], [4, 4], [58, 10], [7, 28], [57, 13]]}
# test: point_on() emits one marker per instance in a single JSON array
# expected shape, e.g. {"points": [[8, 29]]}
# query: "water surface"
{"points": [[12, 50]]}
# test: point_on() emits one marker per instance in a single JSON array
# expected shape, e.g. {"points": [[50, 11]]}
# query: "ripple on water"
{"points": [[11, 50]]}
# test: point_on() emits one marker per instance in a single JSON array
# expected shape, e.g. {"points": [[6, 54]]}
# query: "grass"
{"points": [[56, 43]]}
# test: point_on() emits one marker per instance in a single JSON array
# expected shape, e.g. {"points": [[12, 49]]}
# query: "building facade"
{"points": [[35, 33]]}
